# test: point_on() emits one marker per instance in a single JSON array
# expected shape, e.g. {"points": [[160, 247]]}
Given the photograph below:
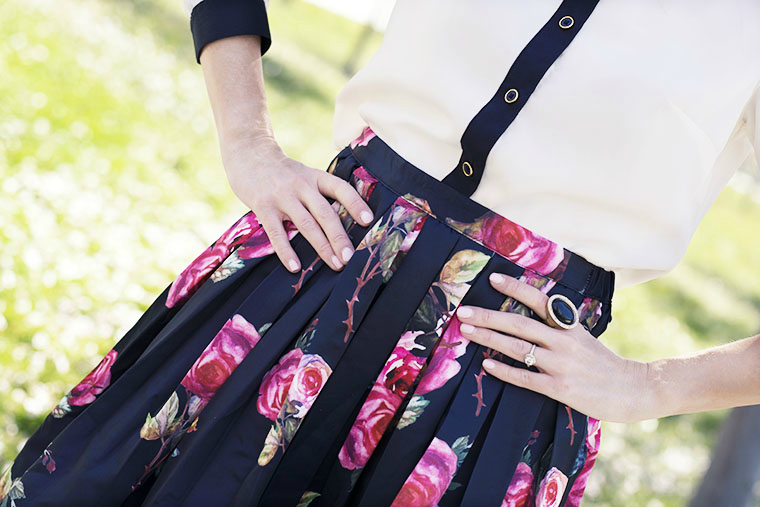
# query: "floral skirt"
{"points": [[245, 384]]}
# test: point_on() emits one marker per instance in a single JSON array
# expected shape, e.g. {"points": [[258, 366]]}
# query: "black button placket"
{"points": [[529, 67]]}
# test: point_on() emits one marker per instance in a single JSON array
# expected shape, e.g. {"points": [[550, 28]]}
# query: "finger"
{"points": [[521, 291], [311, 230], [330, 223], [535, 381], [508, 323], [511, 346], [342, 191], [272, 224]]}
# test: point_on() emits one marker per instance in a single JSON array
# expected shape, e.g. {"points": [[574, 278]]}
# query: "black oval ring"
{"points": [[561, 311]]}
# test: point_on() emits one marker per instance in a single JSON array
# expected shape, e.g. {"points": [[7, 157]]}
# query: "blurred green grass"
{"points": [[111, 184]]}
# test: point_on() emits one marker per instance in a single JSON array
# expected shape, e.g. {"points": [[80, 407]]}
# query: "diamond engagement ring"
{"points": [[562, 312], [530, 359]]}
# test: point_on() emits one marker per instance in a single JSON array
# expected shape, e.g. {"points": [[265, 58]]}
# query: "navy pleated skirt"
{"points": [[245, 384]]}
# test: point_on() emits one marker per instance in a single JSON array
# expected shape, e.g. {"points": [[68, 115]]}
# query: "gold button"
{"points": [[466, 168], [566, 22], [511, 95]]}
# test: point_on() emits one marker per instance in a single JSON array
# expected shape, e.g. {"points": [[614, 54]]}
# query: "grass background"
{"points": [[111, 183]]}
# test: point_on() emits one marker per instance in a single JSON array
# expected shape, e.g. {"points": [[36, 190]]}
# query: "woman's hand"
{"points": [[574, 367], [277, 187]]}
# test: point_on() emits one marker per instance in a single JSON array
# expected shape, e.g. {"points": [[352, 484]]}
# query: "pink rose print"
{"points": [[430, 478], [364, 176], [47, 461], [276, 383], [94, 383], [364, 183], [391, 387], [310, 377], [258, 245], [221, 356], [401, 369], [443, 364], [520, 490], [593, 439], [373, 419], [551, 489], [246, 233], [363, 138], [193, 275], [520, 245]]}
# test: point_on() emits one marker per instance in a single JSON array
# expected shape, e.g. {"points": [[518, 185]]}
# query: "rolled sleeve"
{"points": [[216, 19]]}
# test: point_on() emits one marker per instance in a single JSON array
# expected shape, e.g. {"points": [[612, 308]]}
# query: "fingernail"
{"points": [[336, 262], [464, 311], [496, 277], [366, 217], [347, 253], [488, 364], [466, 328], [293, 265]]}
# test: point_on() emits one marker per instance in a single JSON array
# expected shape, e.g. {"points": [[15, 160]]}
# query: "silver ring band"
{"points": [[530, 359]]}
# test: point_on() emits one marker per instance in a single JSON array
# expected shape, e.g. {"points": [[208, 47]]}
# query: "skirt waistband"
{"points": [[505, 237]]}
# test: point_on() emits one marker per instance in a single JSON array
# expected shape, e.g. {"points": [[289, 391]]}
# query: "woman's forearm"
{"points": [[718, 377], [235, 83]]}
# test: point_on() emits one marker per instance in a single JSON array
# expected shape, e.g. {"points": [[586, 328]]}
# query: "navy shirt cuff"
{"points": [[215, 19]]}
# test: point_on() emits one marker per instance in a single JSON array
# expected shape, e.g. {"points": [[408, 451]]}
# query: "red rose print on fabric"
{"points": [[373, 419], [551, 489], [363, 138], [274, 387], [513, 241], [302, 385], [246, 233], [520, 490], [444, 365], [402, 367], [212, 368], [391, 387], [430, 478], [524, 248], [220, 358], [310, 377], [593, 439], [94, 383]]}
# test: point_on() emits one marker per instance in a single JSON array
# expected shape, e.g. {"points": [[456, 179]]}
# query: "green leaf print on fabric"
{"points": [[414, 409], [307, 498], [10, 489]]}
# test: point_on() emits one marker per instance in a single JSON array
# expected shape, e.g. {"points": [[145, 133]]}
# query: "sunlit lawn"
{"points": [[111, 184]]}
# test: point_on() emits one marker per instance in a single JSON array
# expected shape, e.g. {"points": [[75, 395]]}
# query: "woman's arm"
{"points": [[724, 376], [580, 371], [275, 186]]}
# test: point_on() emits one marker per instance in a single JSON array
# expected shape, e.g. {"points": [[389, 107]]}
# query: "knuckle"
{"points": [[523, 376], [306, 221], [324, 248], [519, 347], [562, 386], [355, 201], [511, 283], [486, 337], [276, 235], [324, 212], [339, 238], [519, 325]]}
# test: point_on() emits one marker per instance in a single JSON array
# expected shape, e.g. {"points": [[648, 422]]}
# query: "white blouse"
{"points": [[622, 147]]}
